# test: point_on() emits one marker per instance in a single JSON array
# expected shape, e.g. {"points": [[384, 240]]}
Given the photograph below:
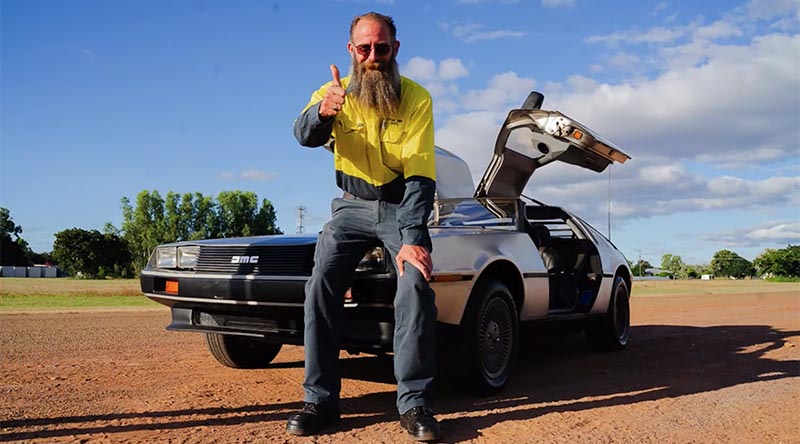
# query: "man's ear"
{"points": [[396, 47]]}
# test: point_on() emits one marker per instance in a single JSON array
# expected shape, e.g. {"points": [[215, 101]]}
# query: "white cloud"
{"points": [[710, 107], [775, 234], [624, 61], [494, 35], [475, 2], [439, 79], [657, 190], [770, 9], [420, 69], [257, 175], [463, 31], [250, 175], [557, 3], [787, 232], [451, 69], [717, 30], [659, 7], [581, 84], [505, 91], [723, 108], [474, 32], [658, 34]]}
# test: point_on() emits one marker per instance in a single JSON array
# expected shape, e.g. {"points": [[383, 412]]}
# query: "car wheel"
{"points": [[241, 351], [489, 337], [610, 332]]}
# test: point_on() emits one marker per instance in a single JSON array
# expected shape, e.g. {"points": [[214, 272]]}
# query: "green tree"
{"points": [[674, 264], [695, 271], [640, 266], [13, 249], [205, 222], [144, 226], [728, 263], [92, 254], [782, 262], [155, 220], [240, 215]]}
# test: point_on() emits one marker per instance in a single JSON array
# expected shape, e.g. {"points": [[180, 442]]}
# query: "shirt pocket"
{"points": [[349, 138], [392, 138]]}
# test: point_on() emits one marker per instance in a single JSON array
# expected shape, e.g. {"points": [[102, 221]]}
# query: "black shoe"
{"points": [[420, 424], [312, 419]]}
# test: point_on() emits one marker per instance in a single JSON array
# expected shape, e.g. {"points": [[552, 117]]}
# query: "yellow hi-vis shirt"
{"points": [[374, 156], [391, 160]]}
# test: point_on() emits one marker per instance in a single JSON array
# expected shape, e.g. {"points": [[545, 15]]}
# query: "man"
{"points": [[382, 130]]}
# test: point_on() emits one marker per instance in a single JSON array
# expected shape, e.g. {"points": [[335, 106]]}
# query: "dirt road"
{"points": [[699, 369]]}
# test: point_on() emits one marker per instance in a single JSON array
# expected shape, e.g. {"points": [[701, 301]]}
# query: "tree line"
{"points": [[152, 220], [149, 221], [784, 262]]}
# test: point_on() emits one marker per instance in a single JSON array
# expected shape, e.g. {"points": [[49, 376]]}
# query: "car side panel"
{"points": [[471, 252]]}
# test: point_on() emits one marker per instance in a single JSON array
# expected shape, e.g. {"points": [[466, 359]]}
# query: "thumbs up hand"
{"points": [[334, 97]]}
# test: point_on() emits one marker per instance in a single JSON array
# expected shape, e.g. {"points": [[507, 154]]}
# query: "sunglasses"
{"points": [[381, 49]]}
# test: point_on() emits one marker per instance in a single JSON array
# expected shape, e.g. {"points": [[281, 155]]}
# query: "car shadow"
{"points": [[564, 374], [549, 376]]}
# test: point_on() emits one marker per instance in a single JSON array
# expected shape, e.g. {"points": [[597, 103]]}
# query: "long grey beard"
{"points": [[374, 89]]}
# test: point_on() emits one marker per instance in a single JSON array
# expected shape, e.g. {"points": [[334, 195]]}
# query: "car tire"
{"points": [[242, 351], [611, 331], [488, 338]]}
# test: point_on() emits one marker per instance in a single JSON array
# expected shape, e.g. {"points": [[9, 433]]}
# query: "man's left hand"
{"points": [[417, 256]]}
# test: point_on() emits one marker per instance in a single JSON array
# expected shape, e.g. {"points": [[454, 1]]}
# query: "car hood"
{"points": [[532, 138], [279, 239]]}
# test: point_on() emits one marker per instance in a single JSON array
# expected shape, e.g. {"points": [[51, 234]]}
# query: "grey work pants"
{"points": [[354, 225]]}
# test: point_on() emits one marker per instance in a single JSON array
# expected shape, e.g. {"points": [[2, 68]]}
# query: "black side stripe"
{"points": [[534, 275]]}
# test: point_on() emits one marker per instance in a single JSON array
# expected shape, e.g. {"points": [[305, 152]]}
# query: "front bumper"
{"points": [[271, 307]]}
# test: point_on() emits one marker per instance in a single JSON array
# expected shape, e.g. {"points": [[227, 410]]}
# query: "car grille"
{"points": [[278, 260]]}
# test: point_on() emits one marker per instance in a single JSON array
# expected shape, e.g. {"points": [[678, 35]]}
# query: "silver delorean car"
{"points": [[500, 261]]}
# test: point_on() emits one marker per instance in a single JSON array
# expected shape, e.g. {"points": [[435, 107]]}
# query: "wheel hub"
{"points": [[492, 337]]}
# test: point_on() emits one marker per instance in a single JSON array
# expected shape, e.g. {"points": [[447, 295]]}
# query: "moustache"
{"points": [[374, 66]]}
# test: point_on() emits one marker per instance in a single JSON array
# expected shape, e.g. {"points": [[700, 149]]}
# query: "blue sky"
{"points": [[101, 100]]}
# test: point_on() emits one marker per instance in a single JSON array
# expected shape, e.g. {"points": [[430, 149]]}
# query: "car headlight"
{"points": [[166, 257], [187, 256], [373, 262]]}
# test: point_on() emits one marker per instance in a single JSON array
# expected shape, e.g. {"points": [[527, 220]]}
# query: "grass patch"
{"points": [[713, 287], [67, 293], [56, 302], [784, 279]]}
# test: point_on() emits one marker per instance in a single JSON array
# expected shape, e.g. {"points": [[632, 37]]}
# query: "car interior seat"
{"points": [[541, 237]]}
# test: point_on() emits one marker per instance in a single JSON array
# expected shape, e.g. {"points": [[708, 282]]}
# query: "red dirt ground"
{"points": [[699, 369]]}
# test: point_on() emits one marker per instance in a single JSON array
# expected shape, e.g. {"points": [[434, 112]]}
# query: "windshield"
{"points": [[475, 212]]}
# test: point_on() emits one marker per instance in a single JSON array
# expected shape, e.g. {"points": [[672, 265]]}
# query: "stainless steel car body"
{"points": [[554, 265]]}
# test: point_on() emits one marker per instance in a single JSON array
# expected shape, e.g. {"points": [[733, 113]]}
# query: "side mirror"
{"points": [[534, 101]]}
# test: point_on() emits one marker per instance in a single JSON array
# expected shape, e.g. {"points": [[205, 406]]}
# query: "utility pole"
{"points": [[301, 211], [639, 264]]}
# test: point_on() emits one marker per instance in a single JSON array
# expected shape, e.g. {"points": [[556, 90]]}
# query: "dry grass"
{"points": [[68, 287], [713, 287]]}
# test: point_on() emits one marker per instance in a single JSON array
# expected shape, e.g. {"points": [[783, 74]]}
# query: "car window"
{"points": [[522, 140]]}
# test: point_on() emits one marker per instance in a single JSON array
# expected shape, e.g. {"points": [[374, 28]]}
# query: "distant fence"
{"points": [[31, 272]]}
